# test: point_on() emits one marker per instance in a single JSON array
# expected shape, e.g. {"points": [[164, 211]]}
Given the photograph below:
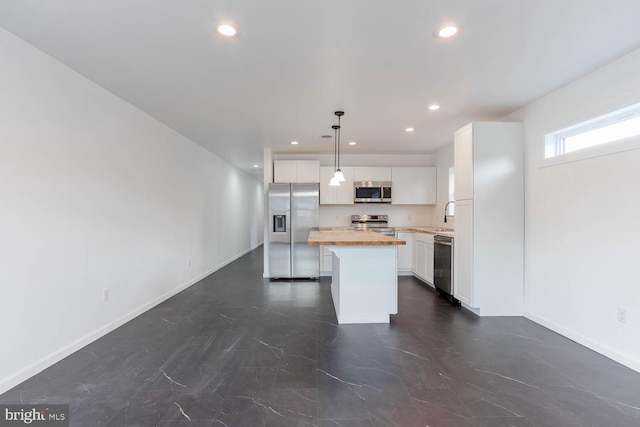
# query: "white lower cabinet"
{"points": [[405, 252], [463, 253], [416, 257], [421, 259], [424, 257], [429, 263], [325, 261]]}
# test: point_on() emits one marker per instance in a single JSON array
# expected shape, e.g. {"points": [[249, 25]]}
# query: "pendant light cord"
{"points": [[335, 150], [339, 128]]}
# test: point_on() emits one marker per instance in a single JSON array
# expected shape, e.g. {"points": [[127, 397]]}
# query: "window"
{"points": [[452, 192], [622, 126]]}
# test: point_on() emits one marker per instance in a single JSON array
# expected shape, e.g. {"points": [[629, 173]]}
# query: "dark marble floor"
{"points": [[236, 350]]}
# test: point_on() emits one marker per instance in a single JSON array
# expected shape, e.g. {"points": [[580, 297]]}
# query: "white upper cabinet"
{"points": [[463, 161], [285, 171], [413, 186], [342, 195], [402, 186], [371, 173], [299, 171], [424, 186]]}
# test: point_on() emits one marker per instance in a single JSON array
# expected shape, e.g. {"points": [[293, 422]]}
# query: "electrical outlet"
{"points": [[622, 315], [105, 295]]}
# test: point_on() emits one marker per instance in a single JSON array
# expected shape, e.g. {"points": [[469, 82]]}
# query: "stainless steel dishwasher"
{"points": [[443, 266]]}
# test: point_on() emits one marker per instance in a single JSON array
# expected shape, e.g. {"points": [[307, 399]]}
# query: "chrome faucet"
{"points": [[445, 210]]}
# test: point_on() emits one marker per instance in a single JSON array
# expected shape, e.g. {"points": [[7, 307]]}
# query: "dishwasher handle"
{"points": [[441, 240]]}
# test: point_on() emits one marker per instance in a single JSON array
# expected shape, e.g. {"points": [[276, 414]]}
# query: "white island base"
{"points": [[364, 283]]}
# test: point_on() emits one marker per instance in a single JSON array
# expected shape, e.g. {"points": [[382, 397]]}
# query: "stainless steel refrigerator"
{"points": [[293, 213]]}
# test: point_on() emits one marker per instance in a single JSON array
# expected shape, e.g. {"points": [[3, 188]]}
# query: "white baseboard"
{"points": [[474, 310], [622, 358], [13, 380], [431, 285]]}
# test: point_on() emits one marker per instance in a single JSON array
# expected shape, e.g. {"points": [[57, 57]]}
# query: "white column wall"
{"points": [[582, 227], [95, 195]]}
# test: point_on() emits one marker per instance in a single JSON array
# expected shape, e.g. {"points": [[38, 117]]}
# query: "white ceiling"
{"points": [[295, 62]]}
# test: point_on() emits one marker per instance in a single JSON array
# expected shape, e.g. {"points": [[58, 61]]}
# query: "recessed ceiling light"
{"points": [[447, 31], [256, 166], [434, 107], [352, 143], [294, 142], [409, 130], [227, 30]]}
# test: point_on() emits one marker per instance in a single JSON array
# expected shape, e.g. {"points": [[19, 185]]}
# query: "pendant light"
{"points": [[334, 179], [339, 174]]}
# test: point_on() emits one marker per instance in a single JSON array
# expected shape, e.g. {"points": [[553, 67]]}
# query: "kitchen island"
{"points": [[364, 284]]}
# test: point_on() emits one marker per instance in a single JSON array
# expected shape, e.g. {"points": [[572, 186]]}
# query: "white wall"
{"points": [[582, 227], [97, 195]]}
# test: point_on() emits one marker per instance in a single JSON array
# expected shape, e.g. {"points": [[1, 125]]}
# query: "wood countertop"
{"points": [[351, 238], [427, 230], [416, 229]]}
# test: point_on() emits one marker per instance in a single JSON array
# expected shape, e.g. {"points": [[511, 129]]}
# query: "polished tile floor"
{"points": [[236, 350]]}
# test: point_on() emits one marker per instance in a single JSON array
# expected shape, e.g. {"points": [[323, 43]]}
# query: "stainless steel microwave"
{"points": [[372, 192]]}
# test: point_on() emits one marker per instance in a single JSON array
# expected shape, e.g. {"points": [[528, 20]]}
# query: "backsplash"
{"points": [[399, 215]]}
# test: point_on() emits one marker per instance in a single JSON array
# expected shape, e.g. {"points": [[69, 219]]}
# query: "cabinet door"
{"points": [[429, 264], [424, 186], [402, 186], [327, 192], [325, 258], [362, 174], [405, 252], [381, 174], [284, 171], [463, 288], [308, 171], [421, 258], [463, 163], [344, 193], [414, 264]]}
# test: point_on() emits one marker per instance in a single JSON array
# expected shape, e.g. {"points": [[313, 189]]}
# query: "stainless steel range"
{"points": [[377, 223]]}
